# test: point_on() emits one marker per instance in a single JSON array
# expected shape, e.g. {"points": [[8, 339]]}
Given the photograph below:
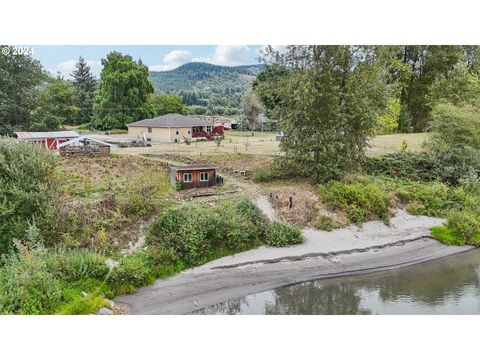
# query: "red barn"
{"points": [[47, 139]]}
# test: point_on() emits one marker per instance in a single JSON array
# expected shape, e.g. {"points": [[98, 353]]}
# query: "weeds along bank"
{"points": [[37, 280], [62, 254], [402, 180]]}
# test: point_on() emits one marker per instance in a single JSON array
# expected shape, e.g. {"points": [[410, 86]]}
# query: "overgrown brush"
{"points": [[361, 201], [26, 191], [282, 233]]}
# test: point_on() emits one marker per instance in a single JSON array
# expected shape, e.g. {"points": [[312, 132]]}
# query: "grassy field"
{"points": [[385, 144], [265, 144]]}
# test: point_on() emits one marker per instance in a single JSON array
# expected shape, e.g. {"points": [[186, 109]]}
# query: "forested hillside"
{"points": [[207, 88]]}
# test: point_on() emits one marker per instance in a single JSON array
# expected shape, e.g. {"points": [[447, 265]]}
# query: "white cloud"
{"points": [[65, 68], [172, 60], [229, 55], [177, 56]]}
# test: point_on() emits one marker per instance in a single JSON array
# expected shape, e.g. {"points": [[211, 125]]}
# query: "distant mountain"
{"points": [[207, 88]]}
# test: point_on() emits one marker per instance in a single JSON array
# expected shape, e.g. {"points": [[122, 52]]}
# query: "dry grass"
{"points": [[385, 144], [264, 144]]}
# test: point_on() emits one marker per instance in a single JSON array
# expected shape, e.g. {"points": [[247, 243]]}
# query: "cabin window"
{"points": [[149, 129], [187, 177], [204, 176]]}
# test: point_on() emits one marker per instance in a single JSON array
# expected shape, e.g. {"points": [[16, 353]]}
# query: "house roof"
{"points": [[77, 142], [170, 120], [46, 134]]}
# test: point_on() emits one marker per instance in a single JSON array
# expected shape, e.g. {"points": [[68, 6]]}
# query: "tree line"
{"points": [[33, 100], [330, 100]]}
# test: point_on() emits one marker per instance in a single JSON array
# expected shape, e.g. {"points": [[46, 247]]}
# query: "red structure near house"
{"points": [[49, 139], [209, 133]]}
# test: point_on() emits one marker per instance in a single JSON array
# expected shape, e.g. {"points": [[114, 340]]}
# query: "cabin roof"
{"points": [[193, 167], [170, 120]]}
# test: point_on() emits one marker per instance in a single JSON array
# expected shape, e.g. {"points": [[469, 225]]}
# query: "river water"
{"points": [[446, 286]]}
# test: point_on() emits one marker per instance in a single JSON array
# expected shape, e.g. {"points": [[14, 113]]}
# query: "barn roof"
{"points": [[46, 134], [170, 120]]}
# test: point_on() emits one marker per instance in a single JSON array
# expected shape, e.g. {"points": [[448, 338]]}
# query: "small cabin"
{"points": [[195, 176]]}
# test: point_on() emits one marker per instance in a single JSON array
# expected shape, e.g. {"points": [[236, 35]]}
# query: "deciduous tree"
{"points": [[123, 92], [20, 75], [328, 106], [55, 106], [167, 104]]}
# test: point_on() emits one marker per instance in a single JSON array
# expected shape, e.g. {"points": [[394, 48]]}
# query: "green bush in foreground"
{"points": [[361, 201], [194, 233], [131, 273], [26, 285], [281, 233], [26, 192]]}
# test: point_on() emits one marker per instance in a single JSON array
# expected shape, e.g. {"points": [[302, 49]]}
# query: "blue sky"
{"points": [[62, 58]]}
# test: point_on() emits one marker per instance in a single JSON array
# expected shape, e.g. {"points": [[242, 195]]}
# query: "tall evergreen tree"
{"points": [[123, 92], [85, 85]]}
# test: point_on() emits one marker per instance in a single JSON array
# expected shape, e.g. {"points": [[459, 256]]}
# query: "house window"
{"points": [[204, 176], [177, 132], [149, 129], [187, 177], [188, 132], [209, 128]]}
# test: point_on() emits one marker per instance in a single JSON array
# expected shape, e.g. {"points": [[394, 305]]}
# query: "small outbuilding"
{"points": [[195, 176], [47, 139], [84, 145]]}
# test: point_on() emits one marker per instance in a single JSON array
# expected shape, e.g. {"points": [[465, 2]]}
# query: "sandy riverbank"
{"points": [[342, 252]]}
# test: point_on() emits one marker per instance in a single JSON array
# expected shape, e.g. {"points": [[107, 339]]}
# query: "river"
{"points": [[449, 285]]}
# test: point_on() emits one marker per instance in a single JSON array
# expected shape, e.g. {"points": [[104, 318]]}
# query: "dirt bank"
{"points": [[349, 251]]}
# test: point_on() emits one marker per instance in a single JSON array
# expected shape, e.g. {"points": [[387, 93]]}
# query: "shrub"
{"points": [[26, 191], [264, 174], [26, 285], [68, 265], [131, 273], [360, 201], [404, 165], [465, 224], [324, 222], [194, 234], [281, 233]]}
